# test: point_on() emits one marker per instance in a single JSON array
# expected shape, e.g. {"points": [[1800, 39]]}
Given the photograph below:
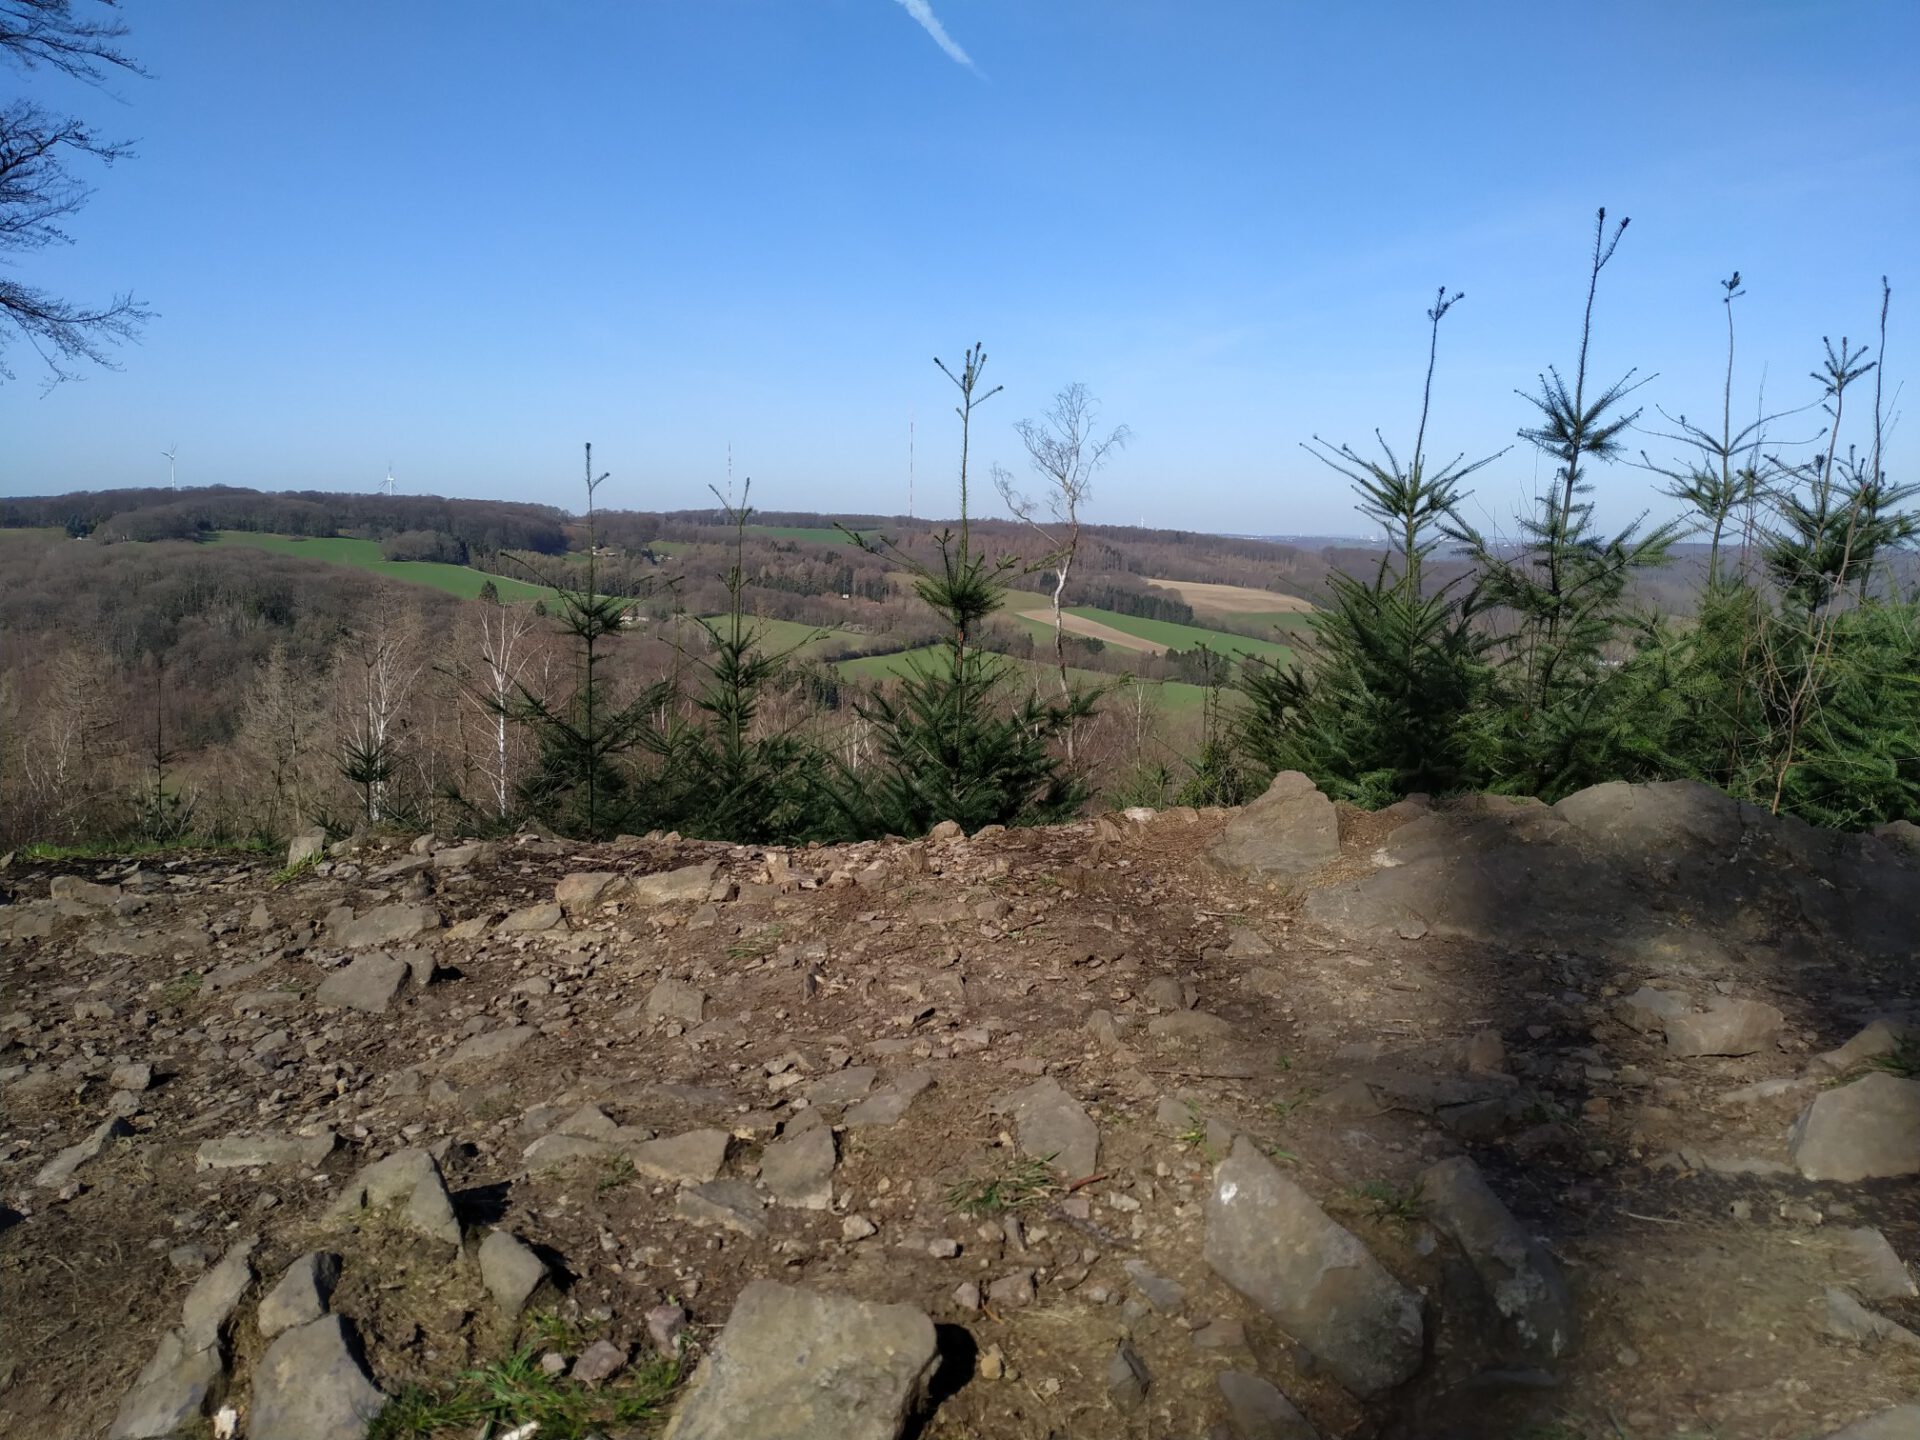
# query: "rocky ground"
{"points": [[1486, 1120]]}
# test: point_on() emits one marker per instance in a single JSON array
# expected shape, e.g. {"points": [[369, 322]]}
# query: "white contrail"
{"points": [[922, 11]]}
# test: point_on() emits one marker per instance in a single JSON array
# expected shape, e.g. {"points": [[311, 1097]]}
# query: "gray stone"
{"points": [[1880, 1037], [689, 884], [302, 1294], [369, 983], [1012, 1292], [74, 891], [599, 1363], [1872, 1267], [798, 1169], [1902, 1422], [1519, 1275], [1728, 1027], [1246, 944], [1166, 992], [179, 1385], [677, 1000], [210, 1304], [493, 1045], [311, 1385], [307, 845], [135, 1077], [1190, 1027], [888, 1106], [1270, 1241], [1127, 1377], [532, 920], [460, 857], [1847, 1319], [1632, 820], [731, 1204], [793, 1364], [1648, 1010], [842, 1087], [665, 1325], [249, 1152], [1290, 831], [558, 1150], [511, 1272], [387, 925], [1163, 1294], [1051, 1126], [579, 892], [406, 1175], [1261, 1412], [689, 1159], [60, 1169], [1861, 1131]]}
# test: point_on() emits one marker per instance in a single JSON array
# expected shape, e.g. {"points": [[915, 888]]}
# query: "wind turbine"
{"points": [[170, 454], [386, 485]]}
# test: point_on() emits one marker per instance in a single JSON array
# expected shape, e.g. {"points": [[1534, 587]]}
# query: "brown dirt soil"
{"points": [[1233, 599], [982, 961]]}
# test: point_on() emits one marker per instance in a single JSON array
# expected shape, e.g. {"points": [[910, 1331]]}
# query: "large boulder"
{"points": [[1290, 831], [311, 1385], [1637, 820], [793, 1364], [1516, 1271], [1863, 1131], [1270, 1241]]}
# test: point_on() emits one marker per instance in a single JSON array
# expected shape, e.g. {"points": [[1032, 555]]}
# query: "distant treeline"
{"points": [[155, 514]]}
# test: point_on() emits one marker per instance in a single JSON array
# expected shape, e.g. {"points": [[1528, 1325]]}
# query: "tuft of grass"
{"points": [[1283, 1108], [757, 945], [1018, 1183], [182, 988], [287, 874], [553, 1331], [1903, 1060], [1388, 1201], [1195, 1135], [619, 1170], [44, 852], [516, 1391]]}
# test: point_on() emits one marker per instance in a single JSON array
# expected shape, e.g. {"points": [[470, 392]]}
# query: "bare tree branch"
{"points": [[38, 190]]}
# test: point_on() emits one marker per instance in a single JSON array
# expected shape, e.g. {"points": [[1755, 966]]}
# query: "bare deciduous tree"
{"points": [[1065, 452], [38, 189], [506, 636]]}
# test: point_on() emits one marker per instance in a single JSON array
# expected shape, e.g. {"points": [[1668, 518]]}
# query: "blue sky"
{"points": [[464, 237]]}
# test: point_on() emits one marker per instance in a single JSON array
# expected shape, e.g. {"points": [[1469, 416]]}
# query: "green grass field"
{"points": [[1297, 621], [779, 636], [813, 534], [365, 555], [1185, 637], [1174, 696]]}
